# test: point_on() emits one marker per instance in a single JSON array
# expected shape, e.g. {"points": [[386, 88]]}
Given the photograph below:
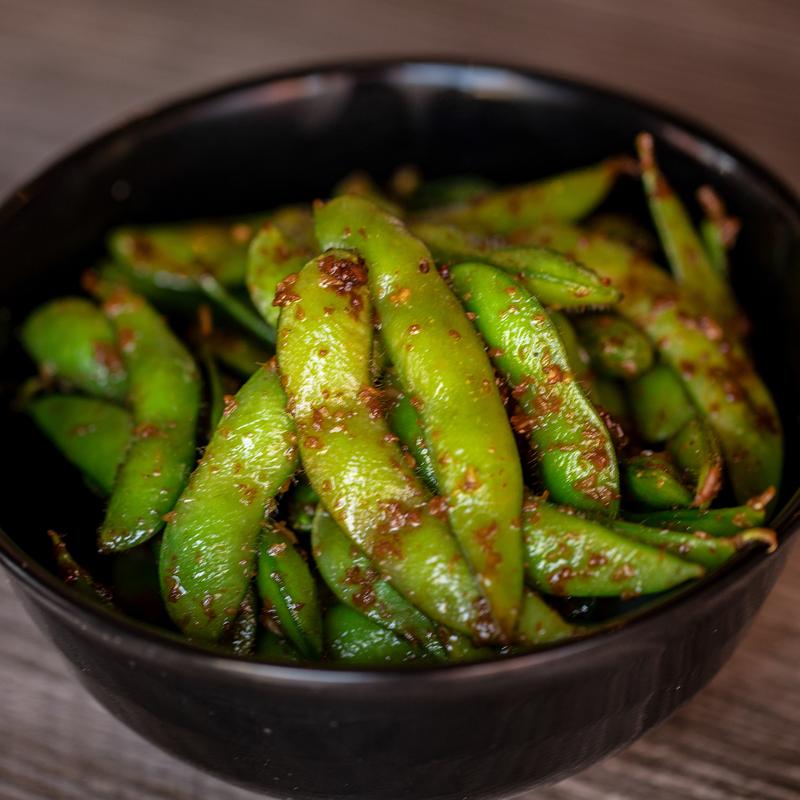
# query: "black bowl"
{"points": [[467, 731]]}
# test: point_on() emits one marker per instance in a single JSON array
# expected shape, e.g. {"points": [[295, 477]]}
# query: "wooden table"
{"points": [[70, 68]]}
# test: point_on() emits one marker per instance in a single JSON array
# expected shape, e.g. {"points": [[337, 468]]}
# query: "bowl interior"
{"points": [[265, 143]]}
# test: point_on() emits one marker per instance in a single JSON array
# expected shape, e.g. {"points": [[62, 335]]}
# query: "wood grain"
{"points": [[70, 68]]}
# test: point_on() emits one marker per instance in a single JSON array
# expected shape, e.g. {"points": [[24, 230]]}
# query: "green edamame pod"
{"points": [[574, 450], [441, 362], [698, 547], [300, 506], [716, 372], [288, 590], [450, 191], [650, 480], [175, 255], [242, 635], [92, 434], [405, 422], [685, 252], [356, 640], [352, 577], [540, 624], [164, 395], [273, 256], [714, 521], [74, 575], [350, 456], [659, 403], [570, 555], [617, 348], [71, 339], [554, 279], [210, 543], [275, 649], [694, 450], [717, 230], [567, 197]]}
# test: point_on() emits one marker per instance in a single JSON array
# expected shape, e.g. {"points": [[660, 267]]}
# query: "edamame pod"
{"points": [[164, 395], [716, 373], [175, 255], [74, 575], [92, 434], [714, 521], [567, 197], [554, 279], [717, 230], [539, 624], [659, 403], [694, 450], [650, 480], [209, 549], [273, 256], [616, 348], [288, 590], [356, 582], [685, 252], [574, 450], [354, 639], [698, 547], [70, 339], [350, 456], [570, 555], [440, 361]]}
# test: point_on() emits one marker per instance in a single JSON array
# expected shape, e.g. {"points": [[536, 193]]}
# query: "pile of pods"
{"points": [[431, 422]]}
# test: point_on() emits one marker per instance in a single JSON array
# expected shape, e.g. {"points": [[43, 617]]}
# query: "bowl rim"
{"points": [[57, 595]]}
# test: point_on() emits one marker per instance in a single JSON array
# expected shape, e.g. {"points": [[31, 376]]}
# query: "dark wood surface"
{"points": [[69, 68]]}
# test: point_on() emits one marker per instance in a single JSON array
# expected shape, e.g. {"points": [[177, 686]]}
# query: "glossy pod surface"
{"points": [[571, 444], [351, 458], [72, 340], [164, 395], [441, 362], [210, 544]]}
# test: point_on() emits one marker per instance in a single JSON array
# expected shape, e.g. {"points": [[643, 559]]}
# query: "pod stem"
{"points": [[763, 535]]}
